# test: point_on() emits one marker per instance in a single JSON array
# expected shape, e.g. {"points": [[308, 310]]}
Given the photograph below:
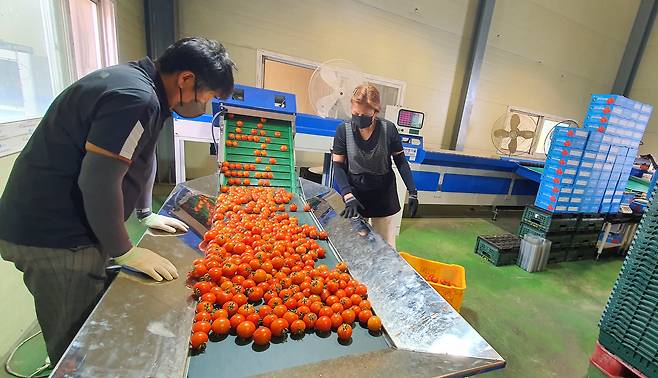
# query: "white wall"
{"points": [[548, 56], [645, 89], [386, 38]]}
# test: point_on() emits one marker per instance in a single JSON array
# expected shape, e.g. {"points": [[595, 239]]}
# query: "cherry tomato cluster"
{"points": [[433, 278], [259, 277]]}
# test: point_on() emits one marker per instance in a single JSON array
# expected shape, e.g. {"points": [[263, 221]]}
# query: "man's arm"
{"points": [[101, 176], [145, 201]]}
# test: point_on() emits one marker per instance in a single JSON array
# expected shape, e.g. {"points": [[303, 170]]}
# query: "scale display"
{"points": [[410, 118]]}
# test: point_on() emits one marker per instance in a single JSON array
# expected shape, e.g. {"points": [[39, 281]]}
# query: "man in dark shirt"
{"points": [[89, 164]]}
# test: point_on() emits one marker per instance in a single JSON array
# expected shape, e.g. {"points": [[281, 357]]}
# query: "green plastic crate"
{"points": [[593, 223], [634, 355], [283, 169], [558, 240], [557, 256], [549, 222], [498, 249], [584, 239], [581, 253]]}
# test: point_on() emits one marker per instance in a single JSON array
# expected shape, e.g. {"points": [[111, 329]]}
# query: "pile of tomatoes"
{"points": [[433, 278], [259, 278]]}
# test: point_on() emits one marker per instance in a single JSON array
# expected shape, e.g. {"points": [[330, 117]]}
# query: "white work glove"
{"points": [[148, 262], [160, 222]]}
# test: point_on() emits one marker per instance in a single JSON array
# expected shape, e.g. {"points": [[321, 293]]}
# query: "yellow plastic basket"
{"points": [[453, 273]]}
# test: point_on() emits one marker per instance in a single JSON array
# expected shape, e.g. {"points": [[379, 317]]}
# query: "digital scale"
{"points": [[408, 123]]}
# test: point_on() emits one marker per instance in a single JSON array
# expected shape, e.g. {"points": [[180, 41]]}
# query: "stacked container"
{"points": [[616, 126], [629, 325], [587, 169]]}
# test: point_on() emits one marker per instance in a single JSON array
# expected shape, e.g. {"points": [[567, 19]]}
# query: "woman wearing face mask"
{"points": [[361, 155]]}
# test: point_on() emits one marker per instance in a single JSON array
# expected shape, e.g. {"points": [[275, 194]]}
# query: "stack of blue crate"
{"points": [[563, 187], [616, 126], [587, 169]]}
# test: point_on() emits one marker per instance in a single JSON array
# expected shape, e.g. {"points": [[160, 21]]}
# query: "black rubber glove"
{"points": [[413, 203], [352, 207]]}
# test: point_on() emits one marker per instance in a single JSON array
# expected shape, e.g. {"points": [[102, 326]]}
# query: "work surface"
{"points": [[141, 328]]}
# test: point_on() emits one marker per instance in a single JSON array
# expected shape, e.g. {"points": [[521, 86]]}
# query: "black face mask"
{"points": [[190, 109], [362, 121]]}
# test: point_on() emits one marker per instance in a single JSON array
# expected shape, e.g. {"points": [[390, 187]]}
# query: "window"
{"points": [[93, 35], [44, 46], [545, 124], [289, 74]]}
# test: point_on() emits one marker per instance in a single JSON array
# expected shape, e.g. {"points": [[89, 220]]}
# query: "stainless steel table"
{"points": [[141, 328]]}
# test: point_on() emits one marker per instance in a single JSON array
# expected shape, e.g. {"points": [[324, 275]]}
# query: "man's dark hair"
{"points": [[207, 59]]}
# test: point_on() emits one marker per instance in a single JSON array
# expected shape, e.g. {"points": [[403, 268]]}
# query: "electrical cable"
{"points": [[37, 372]]}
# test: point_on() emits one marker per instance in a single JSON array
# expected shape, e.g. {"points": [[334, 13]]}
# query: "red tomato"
{"points": [[336, 320], [374, 324], [268, 319], [356, 299], [337, 308], [204, 306], [279, 310], [202, 326], [325, 311], [246, 329], [202, 287], [290, 317], [264, 310], [221, 326], [262, 336], [246, 310], [323, 324], [221, 313], [348, 316], [230, 307], [297, 327], [344, 332], [364, 315], [236, 320], [209, 297], [279, 327], [362, 290], [255, 295], [365, 304], [331, 300], [203, 315], [240, 299], [309, 320], [198, 340]]}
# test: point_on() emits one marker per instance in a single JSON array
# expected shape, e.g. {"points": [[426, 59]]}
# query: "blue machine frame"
{"points": [[442, 177]]}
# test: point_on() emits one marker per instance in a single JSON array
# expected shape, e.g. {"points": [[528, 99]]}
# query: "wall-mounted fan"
{"points": [[513, 134], [331, 86]]}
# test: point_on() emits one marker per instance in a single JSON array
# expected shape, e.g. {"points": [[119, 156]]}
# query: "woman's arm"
{"points": [[405, 171], [340, 175]]}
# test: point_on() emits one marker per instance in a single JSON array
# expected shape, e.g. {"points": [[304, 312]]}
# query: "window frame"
{"points": [[542, 116], [56, 21], [262, 55]]}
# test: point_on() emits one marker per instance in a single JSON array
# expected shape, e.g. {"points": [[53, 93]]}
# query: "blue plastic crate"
{"points": [[621, 101], [613, 109], [561, 160], [570, 132], [578, 143]]}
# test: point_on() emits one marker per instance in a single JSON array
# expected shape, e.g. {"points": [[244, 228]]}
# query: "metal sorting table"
{"points": [[141, 328]]}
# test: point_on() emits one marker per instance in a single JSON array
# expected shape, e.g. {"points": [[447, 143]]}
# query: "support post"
{"points": [[472, 75]]}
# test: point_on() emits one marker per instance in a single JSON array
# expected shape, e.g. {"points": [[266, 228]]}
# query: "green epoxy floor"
{"points": [[544, 324]]}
